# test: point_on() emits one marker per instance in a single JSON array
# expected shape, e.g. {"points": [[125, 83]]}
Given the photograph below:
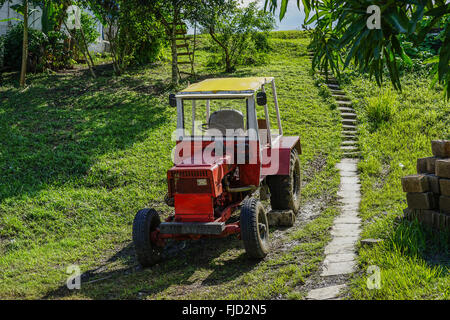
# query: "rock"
{"points": [[433, 182], [283, 218], [441, 148], [443, 168], [431, 165], [415, 183], [444, 187], [421, 200], [444, 204], [370, 242], [422, 165]]}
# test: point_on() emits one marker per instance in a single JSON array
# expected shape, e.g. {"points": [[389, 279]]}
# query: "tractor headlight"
{"points": [[202, 182]]}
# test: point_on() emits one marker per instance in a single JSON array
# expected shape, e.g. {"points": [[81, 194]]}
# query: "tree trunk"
{"points": [[86, 46], [23, 72], [81, 49], [228, 66]]}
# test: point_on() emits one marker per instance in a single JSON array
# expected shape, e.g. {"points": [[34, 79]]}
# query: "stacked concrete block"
{"points": [[428, 192]]}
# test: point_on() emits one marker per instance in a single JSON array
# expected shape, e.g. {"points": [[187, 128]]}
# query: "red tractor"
{"points": [[219, 167]]}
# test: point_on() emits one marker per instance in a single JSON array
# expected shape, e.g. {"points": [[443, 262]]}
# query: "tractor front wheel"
{"points": [[145, 223], [254, 229]]}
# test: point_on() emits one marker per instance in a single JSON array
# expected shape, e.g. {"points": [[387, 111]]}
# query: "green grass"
{"points": [[414, 262], [80, 156]]}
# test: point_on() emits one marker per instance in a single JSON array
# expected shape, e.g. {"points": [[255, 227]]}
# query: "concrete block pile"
{"points": [[428, 191]]}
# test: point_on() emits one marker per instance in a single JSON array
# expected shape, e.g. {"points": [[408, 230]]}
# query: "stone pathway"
{"points": [[340, 253]]}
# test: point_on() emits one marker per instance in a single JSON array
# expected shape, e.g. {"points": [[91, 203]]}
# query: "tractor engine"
{"points": [[197, 190]]}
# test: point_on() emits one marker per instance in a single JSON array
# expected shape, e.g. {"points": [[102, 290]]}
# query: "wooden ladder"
{"points": [[182, 40]]}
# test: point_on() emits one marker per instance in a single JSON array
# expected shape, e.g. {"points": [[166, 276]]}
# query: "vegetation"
{"points": [[95, 162], [342, 35], [240, 34], [414, 261]]}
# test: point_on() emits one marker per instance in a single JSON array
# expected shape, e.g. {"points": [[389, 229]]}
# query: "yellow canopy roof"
{"points": [[227, 85]]}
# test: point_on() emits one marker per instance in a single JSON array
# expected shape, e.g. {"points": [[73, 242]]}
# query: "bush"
{"points": [[36, 48], [89, 25], [380, 109], [239, 35], [57, 54], [261, 42]]}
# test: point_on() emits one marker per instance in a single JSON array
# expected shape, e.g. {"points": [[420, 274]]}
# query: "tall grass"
{"points": [[381, 108]]}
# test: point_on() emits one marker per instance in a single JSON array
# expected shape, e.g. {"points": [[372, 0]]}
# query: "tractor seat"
{"points": [[226, 119]]}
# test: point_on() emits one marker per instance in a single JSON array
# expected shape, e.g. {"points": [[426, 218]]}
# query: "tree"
{"points": [[232, 27], [23, 9], [169, 13], [341, 34]]}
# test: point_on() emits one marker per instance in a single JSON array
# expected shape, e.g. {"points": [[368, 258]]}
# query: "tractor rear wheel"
{"points": [[254, 229], [285, 190], [147, 251]]}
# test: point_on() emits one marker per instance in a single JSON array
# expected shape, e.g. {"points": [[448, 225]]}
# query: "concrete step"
{"points": [[346, 109], [349, 143], [344, 103], [348, 115], [334, 86], [340, 97], [349, 148], [337, 92], [349, 137], [351, 155], [350, 122], [347, 127], [332, 81]]}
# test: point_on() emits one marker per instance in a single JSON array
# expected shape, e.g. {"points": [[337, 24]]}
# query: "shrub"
{"points": [[239, 34], [380, 109], [57, 54], [89, 25], [13, 48]]}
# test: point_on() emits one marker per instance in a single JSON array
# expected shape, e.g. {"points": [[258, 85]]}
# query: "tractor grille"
{"points": [[186, 181], [191, 174]]}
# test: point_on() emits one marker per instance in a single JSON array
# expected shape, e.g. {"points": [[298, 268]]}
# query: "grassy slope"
{"points": [[414, 262], [79, 157]]}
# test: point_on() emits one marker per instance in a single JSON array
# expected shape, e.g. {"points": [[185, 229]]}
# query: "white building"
{"points": [[35, 22]]}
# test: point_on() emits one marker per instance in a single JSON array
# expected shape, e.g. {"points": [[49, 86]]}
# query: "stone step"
{"points": [[333, 86], [347, 127], [348, 115], [341, 97], [351, 155], [349, 143], [337, 92], [346, 109], [349, 148], [349, 138], [332, 81], [349, 122], [326, 293], [344, 103]]}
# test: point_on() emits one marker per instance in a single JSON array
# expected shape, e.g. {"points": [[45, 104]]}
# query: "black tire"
{"points": [[254, 229], [285, 191], [145, 222]]}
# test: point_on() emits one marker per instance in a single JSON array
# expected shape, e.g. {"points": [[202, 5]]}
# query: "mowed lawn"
{"points": [[80, 156], [413, 261]]}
